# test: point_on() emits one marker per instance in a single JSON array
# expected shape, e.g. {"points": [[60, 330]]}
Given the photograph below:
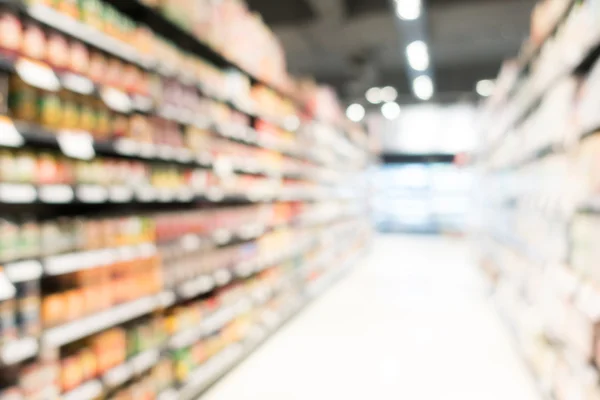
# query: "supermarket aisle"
{"points": [[410, 322]]}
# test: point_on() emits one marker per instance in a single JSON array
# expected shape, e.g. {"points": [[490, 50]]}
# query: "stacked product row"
{"points": [[160, 349], [539, 199], [235, 205]]}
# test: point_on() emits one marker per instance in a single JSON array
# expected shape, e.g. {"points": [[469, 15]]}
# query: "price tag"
{"points": [[7, 290], [120, 194], [142, 103], [116, 100], [56, 194], [202, 122], [184, 155], [222, 236], [166, 152], [223, 166], [167, 299], [215, 194], [148, 150], [204, 158], [23, 271], [145, 361], [118, 375], [78, 84], [166, 195], [9, 135], [185, 195], [190, 243], [146, 194], [127, 147], [87, 391], [93, 194], [37, 74], [17, 193], [77, 144], [222, 277], [17, 351]]}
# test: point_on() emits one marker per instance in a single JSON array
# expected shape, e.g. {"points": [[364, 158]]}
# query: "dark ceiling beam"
{"points": [[288, 12]]}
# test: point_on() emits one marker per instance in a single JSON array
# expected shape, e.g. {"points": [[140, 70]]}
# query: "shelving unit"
{"points": [[148, 258], [538, 189]]}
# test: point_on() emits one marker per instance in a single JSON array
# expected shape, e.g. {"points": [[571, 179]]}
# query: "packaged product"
{"points": [[29, 239], [71, 373], [53, 309], [11, 33], [98, 67], [79, 58], [22, 100], [28, 305], [47, 169], [8, 324], [89, 366], [4, 93], [25, 164], [51, 112], [34, 41], [68, 7], [71, 116], [87, 116], [57, 54], [9, 240], [91, 13]]}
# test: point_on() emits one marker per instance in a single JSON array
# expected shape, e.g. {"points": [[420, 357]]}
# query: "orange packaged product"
{"points": [[57, 53], [71, 373], [98, 67], [89, 365], [74, 304], [53, 307], [68, 7], [79, 60], [115, 72], [34, 42], [11, 33]]}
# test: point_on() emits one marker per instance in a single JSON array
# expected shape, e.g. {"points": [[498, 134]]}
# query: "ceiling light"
{"points": [[423, 87], [417, 54], [355, 112], [485, 87], [388, 94], [408, 10], [373, 95], [390, 110]]}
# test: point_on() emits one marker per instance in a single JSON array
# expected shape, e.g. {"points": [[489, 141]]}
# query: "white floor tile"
{"points": [[411, 322]]}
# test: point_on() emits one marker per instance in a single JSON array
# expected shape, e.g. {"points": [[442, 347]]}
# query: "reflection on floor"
{"points": [[410, 322]]}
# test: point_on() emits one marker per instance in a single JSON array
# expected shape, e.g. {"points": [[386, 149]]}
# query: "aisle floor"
{"points": [[410, 321]]}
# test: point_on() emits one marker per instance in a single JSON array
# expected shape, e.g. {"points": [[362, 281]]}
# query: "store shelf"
{"points": [[134, 367], [72, 331], [209, 373], [18, 350], [92, 37], [162, 25]]}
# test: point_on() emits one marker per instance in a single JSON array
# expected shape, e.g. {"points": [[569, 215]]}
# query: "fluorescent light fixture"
{"points": [[355, 112], [373, 95], [388, 94], [390, 110], [408, 10], [485, 87], [417, 54], [423, 87]]}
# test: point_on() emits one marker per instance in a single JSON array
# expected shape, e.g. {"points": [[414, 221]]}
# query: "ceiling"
{"points": [[356, 44]]}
